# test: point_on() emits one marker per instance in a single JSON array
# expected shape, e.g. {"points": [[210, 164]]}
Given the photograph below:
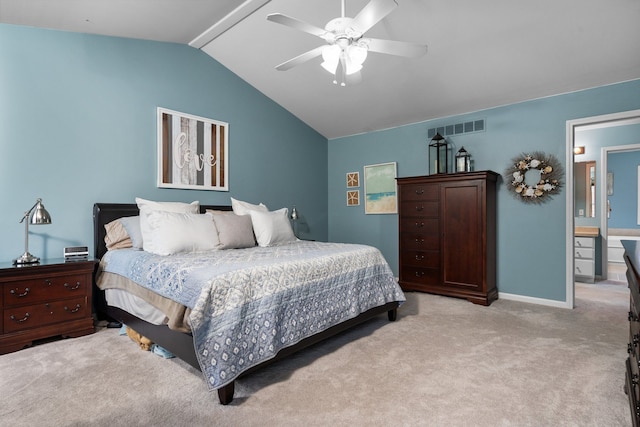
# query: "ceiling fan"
{"points": [[347, 47]]}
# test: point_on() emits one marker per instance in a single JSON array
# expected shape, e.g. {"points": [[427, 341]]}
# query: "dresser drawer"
{"points": [[584, 267], [419, 192], [583, 253], [32, 316], [583, 242], [420, 241], [420, 209], [419, 225], [45, 288], [422, 259], [423, 276]]}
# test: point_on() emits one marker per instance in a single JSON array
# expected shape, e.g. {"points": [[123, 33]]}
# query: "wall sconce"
{"points": [[37, 215], [578, 150], [438, 155], [463, 160]]}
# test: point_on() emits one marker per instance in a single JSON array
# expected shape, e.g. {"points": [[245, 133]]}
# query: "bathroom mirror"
{"points": [[585, 189]]}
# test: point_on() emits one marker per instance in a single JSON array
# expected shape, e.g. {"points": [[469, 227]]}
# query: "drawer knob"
{"points": [[24, 319], [419, 224], [419, 257], [419, 240], [420, 191], [72, 310], [68, 286], [419, 273], [15, 293]]}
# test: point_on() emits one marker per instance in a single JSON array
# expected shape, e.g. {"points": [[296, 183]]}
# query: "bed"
{"points": [[205, 334]]}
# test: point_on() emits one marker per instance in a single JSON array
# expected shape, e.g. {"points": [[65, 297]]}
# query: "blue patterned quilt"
{"points": [[247, 304]]}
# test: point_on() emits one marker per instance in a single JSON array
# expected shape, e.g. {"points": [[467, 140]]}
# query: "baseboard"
{"points": [[534, 300]]}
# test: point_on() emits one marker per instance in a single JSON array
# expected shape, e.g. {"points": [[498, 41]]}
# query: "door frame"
{"points": [[594, 122]]}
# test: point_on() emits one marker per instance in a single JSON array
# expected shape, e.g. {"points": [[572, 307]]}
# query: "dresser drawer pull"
{"points": [[420, 191], [24, 319], [629, 348], [635, 340], [419, 224], [634, 379], [66, 285], [419, 257], [419, 273], [72, 310], [632, 317], [15, 293], [419, 240], [419, 208]]}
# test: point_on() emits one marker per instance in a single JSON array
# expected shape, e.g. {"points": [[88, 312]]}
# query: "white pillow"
{"points": [[172, 232], [243, 208], [272, 228], [148, 206]]}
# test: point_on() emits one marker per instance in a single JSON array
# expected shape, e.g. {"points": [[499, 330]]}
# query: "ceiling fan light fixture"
{"points": [[355, 56], [331, 56]]}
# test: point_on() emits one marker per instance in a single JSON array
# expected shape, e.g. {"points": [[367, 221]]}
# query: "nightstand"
{"points": [[44, 300]]}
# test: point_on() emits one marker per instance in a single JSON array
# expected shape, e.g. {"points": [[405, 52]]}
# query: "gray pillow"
{"points": [[234, 231], [132, 225]]}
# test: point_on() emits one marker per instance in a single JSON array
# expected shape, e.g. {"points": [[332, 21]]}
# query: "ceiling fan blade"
{"points": [[372, 13], [296, 23], [391, 47], [300, 59]]}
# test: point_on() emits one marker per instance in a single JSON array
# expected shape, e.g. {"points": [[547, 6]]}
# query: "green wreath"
{"points": [[551, 173]]}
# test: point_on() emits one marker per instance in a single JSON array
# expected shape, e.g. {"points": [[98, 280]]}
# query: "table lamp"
{"points": [[36, 215]]}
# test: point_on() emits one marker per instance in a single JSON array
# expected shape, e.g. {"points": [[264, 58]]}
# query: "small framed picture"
{"points": [[353, 198], [353, 179], [380, 191]]}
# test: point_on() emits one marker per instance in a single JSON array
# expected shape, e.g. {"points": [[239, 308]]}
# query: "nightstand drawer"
{"points": [[32, 316], [44, 289]]}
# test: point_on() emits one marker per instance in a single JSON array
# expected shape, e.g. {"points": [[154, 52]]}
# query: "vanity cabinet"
{"points": [[447, 232], [584, 254]]}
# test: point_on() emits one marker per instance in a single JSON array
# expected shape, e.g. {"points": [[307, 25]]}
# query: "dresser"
{"points": [[584, 258], [52, 298], [447, 235], [632, 377]]}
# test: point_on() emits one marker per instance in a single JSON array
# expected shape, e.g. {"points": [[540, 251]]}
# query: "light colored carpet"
{"points": [[445, 362]]}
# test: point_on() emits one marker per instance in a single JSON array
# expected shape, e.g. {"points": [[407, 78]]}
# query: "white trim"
{"points": [[606, 120], [533, 300]]}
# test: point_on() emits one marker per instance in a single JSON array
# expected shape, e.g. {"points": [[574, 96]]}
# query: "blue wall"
{"points": [[531, 238], [78, 126], [624, 200]]}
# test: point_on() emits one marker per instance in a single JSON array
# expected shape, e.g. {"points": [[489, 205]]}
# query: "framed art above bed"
{"points": [[193, 152]]}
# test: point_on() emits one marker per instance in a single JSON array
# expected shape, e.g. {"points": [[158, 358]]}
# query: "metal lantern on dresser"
{"points": [[438, 155], [447, 231], [463, 160]]}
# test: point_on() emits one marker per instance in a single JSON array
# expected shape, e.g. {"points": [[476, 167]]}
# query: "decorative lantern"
{"points": [[438, 155], [463, 161]]}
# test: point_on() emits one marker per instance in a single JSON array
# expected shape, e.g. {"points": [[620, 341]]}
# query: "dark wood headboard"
{"points": [[104, 213]]}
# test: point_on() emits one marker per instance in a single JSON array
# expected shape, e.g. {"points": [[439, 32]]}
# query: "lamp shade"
{"points": [[40, 215]]}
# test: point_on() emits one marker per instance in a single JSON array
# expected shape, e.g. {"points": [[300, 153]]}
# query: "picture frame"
{"points": [[353, 198], [193, 151], [380, 189], [353, 179]]}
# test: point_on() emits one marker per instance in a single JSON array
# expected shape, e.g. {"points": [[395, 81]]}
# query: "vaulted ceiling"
{"points": [[481, 54]]}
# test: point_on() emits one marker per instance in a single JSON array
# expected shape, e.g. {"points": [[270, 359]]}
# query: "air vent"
{"points": [[458, 128]]}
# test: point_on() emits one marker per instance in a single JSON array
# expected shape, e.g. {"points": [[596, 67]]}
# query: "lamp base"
{"points": [[26, 258]]}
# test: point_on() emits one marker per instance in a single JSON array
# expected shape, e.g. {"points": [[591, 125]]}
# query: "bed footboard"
{"points": [[225, 393]]}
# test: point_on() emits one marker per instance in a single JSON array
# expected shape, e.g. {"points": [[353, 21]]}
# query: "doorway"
{"points": [[596, 122]]}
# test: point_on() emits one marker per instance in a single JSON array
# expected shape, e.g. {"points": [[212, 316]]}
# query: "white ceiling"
{"points": [[481, 54]]}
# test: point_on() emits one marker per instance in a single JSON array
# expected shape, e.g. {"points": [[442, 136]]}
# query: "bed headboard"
{"points": [[104, 213]]}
